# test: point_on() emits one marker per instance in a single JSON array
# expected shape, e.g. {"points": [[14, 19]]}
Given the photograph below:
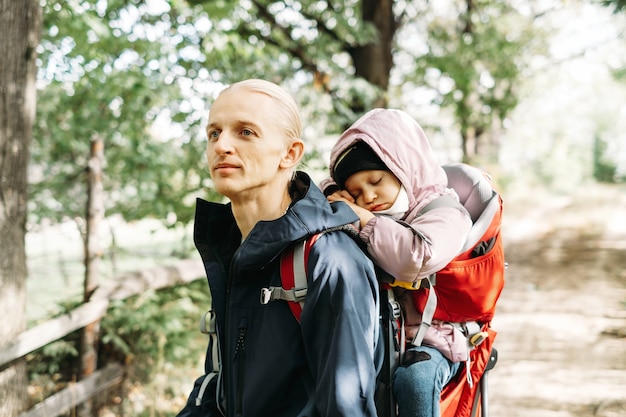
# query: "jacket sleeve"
{"points": [[340, 327], [411, 253], [328, 186]]}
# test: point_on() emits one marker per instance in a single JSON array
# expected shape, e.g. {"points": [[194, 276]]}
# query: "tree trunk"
{"points": [[374, 61], [94, 213], [21, 25]]}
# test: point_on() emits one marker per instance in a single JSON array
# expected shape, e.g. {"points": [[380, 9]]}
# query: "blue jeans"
{"points": [[418, 381]]}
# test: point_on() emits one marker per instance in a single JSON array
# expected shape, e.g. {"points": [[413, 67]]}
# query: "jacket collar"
{"points": [[215, 229]]}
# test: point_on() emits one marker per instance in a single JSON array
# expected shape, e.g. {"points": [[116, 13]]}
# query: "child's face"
{"points": [[374, 190]]}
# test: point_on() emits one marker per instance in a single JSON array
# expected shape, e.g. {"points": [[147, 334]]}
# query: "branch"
{"points": [[325, 29], [296, 51]]}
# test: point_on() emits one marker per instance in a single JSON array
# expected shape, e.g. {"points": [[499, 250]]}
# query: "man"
{"points": [[271, 364]]}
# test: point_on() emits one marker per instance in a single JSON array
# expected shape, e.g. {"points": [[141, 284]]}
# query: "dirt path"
{"points": [[561, 319]]}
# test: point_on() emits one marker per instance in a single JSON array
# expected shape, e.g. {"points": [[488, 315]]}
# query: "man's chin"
{"points": [[226, 187]]}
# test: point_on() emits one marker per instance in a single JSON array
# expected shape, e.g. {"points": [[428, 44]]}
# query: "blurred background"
{"points": [[531, 91]]}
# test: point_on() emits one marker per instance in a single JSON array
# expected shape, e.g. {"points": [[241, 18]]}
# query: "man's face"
{"points": [[245, 144]]}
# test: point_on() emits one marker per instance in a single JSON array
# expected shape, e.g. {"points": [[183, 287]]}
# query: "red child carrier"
{"points": [[463, 293], [468, 288]]}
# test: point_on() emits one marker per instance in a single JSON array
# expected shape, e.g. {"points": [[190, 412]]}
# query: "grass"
{"points": [[55, 259], [155, 328], [154, 335]]}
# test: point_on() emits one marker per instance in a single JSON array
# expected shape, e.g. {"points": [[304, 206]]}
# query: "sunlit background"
{"points": [[534, 92]]}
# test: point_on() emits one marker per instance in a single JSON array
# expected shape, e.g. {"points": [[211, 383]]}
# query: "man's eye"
{"points": [[246, 132], [213, 134]]}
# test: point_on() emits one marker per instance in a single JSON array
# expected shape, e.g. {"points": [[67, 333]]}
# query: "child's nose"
{"points": [[369, 196]]}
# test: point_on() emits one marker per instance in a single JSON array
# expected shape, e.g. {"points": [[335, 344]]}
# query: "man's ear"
{"points": [[294, 154]]}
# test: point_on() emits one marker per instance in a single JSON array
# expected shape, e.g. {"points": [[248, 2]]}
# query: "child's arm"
{"points": [[364, 214], [408, 255]]}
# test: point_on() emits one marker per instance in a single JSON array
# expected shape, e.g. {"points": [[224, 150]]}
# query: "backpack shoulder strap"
{"points": [[293, 266], [428, 313], [445, 200]]}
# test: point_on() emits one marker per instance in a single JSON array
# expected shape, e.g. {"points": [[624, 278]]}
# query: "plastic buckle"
{"points": [[300, 293], [207, 326], [266, 295], [395, 309], [478, 338]]}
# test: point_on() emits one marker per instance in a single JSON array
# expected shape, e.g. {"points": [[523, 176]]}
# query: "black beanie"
{"points": [[358, 157]]}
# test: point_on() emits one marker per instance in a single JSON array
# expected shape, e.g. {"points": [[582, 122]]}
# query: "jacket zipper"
{"points": [[240, 360], [226, 321]]}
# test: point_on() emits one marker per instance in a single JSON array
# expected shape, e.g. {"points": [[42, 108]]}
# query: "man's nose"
{"points": [[223, 143]]}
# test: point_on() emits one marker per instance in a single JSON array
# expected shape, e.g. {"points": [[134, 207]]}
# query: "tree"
{"points": [[618, 6], [21, 24], [114, 69], [339, 54], [348, 51], [472, 63]]}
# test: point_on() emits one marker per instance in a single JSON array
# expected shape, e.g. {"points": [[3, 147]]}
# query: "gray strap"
{"points": [[427, 314], [209, 327], [299, 274], [397, 315], [473, 331], [445, 200], [279, 293], [482, 223], [296, 294], [203, 387]]}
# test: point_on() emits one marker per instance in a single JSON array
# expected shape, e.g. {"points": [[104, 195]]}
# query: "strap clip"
{"points": [[279, 293], [208, 326]]}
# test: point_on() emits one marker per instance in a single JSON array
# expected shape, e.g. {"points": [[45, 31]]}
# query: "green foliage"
{"points": [[473, 61], [620, 74], [138, 75], [603, 169], [154, 328], [56, 360], [112, 70], [618, 6], [153, 333], [297, 44]]}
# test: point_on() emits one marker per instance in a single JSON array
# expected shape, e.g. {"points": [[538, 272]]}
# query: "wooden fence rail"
{"points": [[122, 287], [77, 392], [44, 333]]}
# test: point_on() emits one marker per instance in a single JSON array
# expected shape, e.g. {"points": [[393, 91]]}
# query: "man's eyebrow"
{"points": [[237, 123], [250, 123]]}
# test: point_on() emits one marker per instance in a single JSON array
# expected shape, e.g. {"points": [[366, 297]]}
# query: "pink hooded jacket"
{"points": [[404, 148]]}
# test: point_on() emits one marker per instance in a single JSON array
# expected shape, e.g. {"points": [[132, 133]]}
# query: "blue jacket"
{"points": [[272, 365]]}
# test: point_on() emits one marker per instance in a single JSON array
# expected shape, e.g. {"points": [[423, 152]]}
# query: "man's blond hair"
{"points": [[289, 118]]}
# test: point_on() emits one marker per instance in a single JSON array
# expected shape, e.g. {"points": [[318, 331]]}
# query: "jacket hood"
{"points": [[401, 144], [308, 214]]}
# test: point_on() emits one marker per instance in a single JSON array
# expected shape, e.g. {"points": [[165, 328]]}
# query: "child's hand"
{"points": [[343, 195]]}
